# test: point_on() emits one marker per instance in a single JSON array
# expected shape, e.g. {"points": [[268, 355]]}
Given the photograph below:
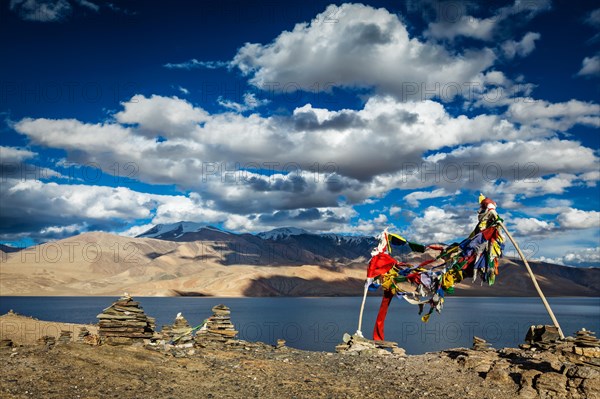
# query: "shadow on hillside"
{"points": [[297, 286], [188, 293]]}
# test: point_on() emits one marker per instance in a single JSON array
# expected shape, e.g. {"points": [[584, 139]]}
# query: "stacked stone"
{"points": [[83, 334], [541, 337], [480, 344], [48, 341], [587, 339], [545, 334], [124, 323], [166, 332], [86, 337], [152, 324], [357, 345], [65, 337], [586, 344], [181, 331], [218, 327]]}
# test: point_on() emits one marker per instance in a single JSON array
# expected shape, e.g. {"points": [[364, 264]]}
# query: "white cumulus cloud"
{"points": [[579, 219], [413, 198], [590, 66], [453, 20], [250, 102], [14, 154], [531, 226], [41, 10], [365, 48], [582, 257], [441, 225], [522, 48]]}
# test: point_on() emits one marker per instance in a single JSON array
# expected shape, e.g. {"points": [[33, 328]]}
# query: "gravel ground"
{"points": [[259, 371]]}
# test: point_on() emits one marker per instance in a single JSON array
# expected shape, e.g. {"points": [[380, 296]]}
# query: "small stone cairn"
{"points": [[65, 337], [541, 337], [584, 347], [125, 323], [83, 334], [218, 328], [48, 341], [180, 333], [480, 344], [357, 345], [587, 344], [586, 339]]}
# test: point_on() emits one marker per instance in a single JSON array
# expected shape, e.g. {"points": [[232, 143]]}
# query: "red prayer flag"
{"points": [[378, 331], [380, 264]]}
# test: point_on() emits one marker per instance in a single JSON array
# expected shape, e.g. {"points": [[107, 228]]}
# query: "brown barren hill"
{"points": [[219, 265]]}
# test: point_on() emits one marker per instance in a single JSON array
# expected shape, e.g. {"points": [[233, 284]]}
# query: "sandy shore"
{"points": [[26, 330]]}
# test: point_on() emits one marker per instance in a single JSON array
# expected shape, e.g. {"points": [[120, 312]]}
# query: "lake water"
{"points": [[319, 323]]}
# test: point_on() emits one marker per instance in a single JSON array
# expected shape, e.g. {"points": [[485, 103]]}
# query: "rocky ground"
{"points": [[82, 371], [241, 369]]}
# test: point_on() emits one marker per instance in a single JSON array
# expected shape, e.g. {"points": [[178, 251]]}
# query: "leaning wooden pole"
{"points": [[362, 308], [533, 279]]}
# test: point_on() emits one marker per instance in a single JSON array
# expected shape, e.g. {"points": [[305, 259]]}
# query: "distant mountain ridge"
{"points": [[281, 232], [8, 249], [177, 230], [281, 246], [193, 259]]}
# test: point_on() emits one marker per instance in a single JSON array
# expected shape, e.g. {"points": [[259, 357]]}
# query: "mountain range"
{"points": [[191, 259], [282, 246]]}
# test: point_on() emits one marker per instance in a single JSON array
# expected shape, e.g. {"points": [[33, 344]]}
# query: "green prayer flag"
{"points": [[416, 247]]}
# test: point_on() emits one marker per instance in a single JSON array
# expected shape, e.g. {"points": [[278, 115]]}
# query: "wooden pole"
{"points": [[533, 279], [362, 308]]}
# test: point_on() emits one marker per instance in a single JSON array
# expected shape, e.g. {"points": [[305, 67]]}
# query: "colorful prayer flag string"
{"points": [[476, 256]]}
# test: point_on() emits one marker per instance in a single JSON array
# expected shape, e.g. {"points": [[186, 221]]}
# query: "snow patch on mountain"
{"points": [[285, 232], [176, 229], [282, 233], [348, 239]]}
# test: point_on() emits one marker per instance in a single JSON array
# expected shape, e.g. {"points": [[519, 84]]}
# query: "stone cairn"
{"points": [[218, 327], [65, 337], [86, 337], [48, 341], [180, 333], [587, 344], [541, 337], [83, 334], [587, 339], [357, 345], [480, 344], [125, 323]]}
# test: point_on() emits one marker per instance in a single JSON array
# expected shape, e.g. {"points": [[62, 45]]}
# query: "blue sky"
{"points": [[333, 117]]}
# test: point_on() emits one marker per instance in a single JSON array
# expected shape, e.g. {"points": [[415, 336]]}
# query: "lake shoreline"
{"points": [[254, 369], [312, 323]]}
